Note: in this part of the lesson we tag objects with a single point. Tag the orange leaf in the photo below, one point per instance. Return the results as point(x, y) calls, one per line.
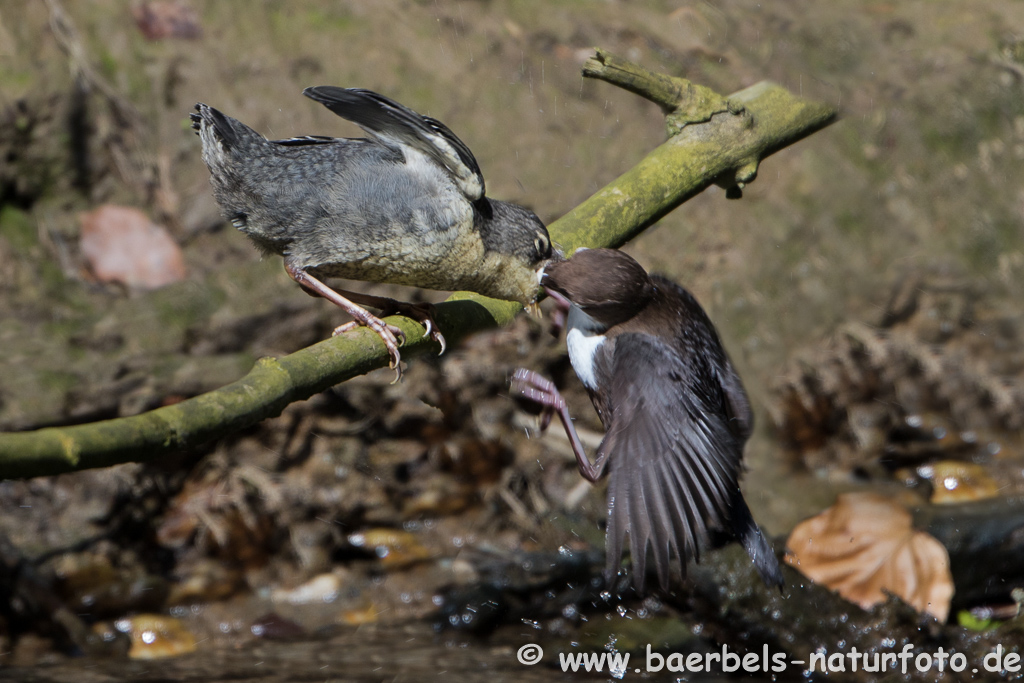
point(864, 546)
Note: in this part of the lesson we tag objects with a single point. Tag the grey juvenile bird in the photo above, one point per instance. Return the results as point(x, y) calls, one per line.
point(406, 206)
point(675, 413)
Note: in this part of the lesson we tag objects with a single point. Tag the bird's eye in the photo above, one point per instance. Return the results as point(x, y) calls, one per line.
point(542, 244)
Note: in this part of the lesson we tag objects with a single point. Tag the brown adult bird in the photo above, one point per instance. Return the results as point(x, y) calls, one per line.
point(675, 413)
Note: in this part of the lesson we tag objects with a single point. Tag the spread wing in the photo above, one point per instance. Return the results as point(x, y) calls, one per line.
point(673, 459)
point(395, 125)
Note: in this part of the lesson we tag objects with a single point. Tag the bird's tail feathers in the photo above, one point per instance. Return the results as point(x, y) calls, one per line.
point(229, 134)
point(749, 534)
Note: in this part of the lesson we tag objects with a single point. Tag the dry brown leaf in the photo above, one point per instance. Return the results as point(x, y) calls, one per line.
point(159, 19)
point(864, 547)
point(121, 244)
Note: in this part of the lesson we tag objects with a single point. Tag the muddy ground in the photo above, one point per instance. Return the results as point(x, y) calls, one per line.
point(897, 230)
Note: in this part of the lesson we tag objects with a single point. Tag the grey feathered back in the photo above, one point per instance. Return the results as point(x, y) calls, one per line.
point(405, 206)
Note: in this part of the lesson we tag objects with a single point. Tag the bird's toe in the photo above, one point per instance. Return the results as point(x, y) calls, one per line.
point(389, 334)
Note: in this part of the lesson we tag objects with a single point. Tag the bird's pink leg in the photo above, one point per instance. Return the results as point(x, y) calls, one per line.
point(531, 386)
point(389, 334)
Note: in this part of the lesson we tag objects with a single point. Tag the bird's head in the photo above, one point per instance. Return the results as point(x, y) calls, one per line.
point(517, 238)
point(606, 284)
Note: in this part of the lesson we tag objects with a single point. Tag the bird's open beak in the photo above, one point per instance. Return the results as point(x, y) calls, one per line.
point(534, 307)
point(542, 273)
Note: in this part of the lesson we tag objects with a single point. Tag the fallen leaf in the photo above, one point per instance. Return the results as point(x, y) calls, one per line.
point(121, 244)
point(159, 19)
point(864, 547)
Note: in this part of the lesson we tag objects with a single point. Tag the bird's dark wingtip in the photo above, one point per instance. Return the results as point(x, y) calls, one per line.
point(325, 94)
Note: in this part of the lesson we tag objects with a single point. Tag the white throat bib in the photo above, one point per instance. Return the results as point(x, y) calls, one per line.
point(584, 338)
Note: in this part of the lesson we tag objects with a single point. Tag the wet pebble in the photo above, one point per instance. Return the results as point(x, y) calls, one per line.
point(155, 636)
point(392, 547)
point(273, 626)
point(319, 589)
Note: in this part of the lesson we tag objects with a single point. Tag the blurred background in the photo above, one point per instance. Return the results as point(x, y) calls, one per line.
point(868, 287)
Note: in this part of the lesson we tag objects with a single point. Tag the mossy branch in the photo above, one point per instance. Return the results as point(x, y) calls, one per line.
point(725, 147)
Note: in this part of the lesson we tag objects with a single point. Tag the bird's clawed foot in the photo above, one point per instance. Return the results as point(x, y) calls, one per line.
point(422, 313)
point(391, 335)
point(540, 396)
point(536, 394)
